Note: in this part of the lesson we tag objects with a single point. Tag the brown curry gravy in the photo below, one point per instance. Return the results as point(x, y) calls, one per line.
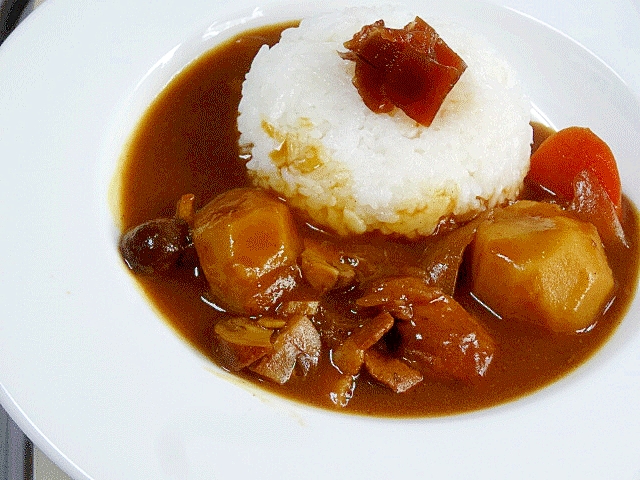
point(187, 143)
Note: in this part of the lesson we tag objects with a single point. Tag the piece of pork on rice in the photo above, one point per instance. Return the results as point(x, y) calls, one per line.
point(314, 142)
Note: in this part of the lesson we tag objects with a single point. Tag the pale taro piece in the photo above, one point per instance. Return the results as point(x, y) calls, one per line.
point(314, 142)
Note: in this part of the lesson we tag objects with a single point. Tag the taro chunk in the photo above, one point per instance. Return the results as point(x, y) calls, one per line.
point(532, 262)
point(247, 245)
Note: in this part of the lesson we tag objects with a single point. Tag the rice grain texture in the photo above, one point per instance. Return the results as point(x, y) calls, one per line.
point(314, 142)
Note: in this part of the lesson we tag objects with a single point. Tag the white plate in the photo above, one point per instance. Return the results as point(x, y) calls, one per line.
point(107, 389)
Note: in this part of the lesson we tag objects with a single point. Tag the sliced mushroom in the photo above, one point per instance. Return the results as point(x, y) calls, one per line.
point(297, 343)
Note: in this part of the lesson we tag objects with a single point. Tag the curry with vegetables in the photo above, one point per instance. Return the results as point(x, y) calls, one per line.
point(476, 315)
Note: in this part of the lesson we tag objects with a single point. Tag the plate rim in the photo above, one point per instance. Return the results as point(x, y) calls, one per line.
point(11, 404)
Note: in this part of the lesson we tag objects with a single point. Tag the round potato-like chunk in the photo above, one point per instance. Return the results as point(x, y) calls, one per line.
point(247, 244)
point(533, 262)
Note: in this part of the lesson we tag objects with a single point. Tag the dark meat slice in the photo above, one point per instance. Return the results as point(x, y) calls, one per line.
point(442, 259)
point(392, 372)
point(335, 323)
point(349, 356)
point(443, 339)
point(397, 295)
point(437, 335)
point(410, 68)
point(298, 343)
point(323, 269)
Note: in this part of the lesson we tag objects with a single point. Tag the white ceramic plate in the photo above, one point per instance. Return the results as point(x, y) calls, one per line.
point(108, 390)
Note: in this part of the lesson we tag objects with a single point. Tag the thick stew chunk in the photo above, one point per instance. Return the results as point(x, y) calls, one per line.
point(533, 262)
point(248, 245)
point(444, 340)
point(349, 356)
point(438, 337)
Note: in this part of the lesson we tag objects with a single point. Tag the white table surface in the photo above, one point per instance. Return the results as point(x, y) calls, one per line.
point(608, 28)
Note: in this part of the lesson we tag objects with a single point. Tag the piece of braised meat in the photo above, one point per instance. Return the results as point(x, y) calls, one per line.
point(438, 336)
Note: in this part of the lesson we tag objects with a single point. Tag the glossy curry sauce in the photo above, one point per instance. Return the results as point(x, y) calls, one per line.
point(187, 143)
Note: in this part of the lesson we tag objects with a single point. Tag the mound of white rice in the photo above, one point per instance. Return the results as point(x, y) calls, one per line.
point(315, 142)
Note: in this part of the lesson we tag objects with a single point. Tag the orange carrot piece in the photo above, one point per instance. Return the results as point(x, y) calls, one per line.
point(563, 155)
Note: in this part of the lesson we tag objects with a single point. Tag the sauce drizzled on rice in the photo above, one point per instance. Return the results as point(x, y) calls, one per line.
point(315, 142)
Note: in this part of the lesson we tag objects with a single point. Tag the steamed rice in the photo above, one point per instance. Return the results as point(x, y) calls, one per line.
point(314, 141)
